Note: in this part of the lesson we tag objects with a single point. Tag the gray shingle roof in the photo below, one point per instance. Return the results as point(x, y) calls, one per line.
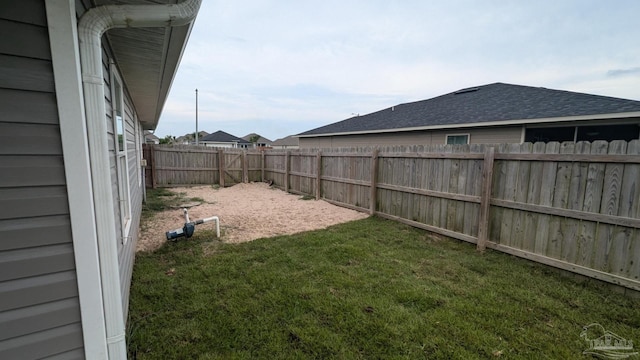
point(286, 141)
point(486, 103)
point(261, 139)
point(221, 136)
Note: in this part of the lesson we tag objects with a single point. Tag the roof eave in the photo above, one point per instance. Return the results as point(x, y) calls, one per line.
point(148, 93)
point(483, 124)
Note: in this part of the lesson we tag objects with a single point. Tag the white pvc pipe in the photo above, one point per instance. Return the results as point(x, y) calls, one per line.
point(213, 218)
point(91, 27)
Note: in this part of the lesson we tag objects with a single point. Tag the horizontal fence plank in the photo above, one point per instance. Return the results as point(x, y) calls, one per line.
point(183, 151)
point(171, 168)
point(401, 155)
point(437, 230)
point(346, 181)
point(346, 154)
point(433, 193)
point(591, 158)
point(297, 173)
point(348, 206)
point(575, 214)
point(578, 269)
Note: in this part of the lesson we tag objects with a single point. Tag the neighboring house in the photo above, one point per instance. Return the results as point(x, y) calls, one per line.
point(260, 142)
point(77, 90)
point(289, 142)
point(150, 138)
point(224, 140)
point(494, 113)
point(190, 139)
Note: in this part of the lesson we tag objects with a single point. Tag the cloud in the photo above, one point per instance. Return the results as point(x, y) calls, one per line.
point(274, 69)
point(624, 72)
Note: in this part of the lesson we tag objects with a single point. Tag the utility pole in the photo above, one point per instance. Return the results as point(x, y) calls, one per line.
point(196, 117)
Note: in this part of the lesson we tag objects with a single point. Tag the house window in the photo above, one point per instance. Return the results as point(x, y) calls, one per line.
point(458, 139)
point(583, 133)
point(608, 132)
point(120, 142)
point(564, 133)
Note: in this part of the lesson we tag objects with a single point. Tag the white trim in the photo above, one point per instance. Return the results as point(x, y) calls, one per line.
point(122, 171)
point(484, 124)
point(61, 20)
point(523, 134)
point(446, 138)
point(138, 145)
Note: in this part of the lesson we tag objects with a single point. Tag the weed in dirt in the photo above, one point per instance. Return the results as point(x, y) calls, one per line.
point(366, 289)
point(307, 197)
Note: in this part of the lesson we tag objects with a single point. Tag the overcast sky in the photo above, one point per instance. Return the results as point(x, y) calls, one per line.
point(278, 68)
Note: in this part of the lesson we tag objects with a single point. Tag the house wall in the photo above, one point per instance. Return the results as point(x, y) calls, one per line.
point(39, 306)
point(218, 144)
point(126, 245)
point(495, 135)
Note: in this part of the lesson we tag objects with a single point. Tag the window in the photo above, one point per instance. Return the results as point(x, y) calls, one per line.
point(458, 139)
point(565, 133)
point(583, 133)
point(608, 132)
point(120, 145)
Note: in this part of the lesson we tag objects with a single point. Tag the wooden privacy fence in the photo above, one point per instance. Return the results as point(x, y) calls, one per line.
point(184, 165)
point(575, 206)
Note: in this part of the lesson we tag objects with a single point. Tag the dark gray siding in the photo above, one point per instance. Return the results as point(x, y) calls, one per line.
point(39, 308)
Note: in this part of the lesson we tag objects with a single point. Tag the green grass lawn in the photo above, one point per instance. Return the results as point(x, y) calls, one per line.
point(366, 289)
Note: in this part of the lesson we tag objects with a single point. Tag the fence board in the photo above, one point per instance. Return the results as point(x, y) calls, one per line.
point(609, 206)
point(497, 191)
point(533, 197)
point(627, 247)
point(487, 179)
point(549, 170)
point(560, 199)
point(577, 187)
point(592, 199)
point(438, 166)
point(510, 181)
point(518, 235)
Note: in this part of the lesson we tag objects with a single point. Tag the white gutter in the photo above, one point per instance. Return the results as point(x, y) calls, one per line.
point(92, 26)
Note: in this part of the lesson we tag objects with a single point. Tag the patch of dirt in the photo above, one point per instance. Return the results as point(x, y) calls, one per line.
point(246, 212)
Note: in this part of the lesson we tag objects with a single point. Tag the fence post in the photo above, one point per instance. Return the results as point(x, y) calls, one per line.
point(221, 166)
point(286, 170)
point(485, 198)
point(245, 167)
point(318, 174)
point(262, 165)
point(374, 181)
point(153, 166)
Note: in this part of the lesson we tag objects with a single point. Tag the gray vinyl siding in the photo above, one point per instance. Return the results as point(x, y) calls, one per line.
point(126, 247)
point(39, 307)
point(492, 135)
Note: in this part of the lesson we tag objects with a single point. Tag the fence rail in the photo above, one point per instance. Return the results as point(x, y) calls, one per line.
point(575, 206)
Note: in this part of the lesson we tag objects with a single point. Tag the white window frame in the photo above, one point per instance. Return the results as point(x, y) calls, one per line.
point(446, 139)
point(122, 159)
point(138, 138)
